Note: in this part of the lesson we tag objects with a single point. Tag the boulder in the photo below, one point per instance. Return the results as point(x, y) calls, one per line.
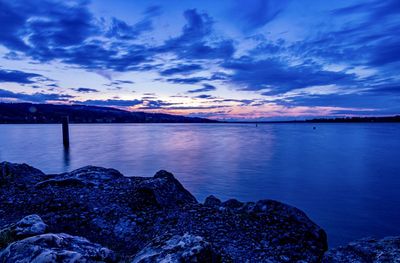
point(93, 174)
point(168, 191)
point(232, 203)
point(28, 226)
point(19, 174)
point(186, 248)
point(47, 248)
point(212, 201)
point(67, 182)
point(367, 250)
point(292, 215)
point(125, 214)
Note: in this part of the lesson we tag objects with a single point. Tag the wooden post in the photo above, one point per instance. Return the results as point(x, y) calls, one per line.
point(65, 131)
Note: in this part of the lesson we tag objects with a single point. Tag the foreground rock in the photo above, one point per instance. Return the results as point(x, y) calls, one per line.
point(27, 241)
point(28, 226)
point(152, 219)
point(18, 175)
point(55, 248)
point(186, 248)
point(366, 251)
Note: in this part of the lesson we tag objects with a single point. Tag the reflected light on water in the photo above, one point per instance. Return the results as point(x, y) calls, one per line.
point(344, 176)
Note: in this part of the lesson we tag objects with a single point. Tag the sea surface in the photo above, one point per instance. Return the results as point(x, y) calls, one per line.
point(346, 177)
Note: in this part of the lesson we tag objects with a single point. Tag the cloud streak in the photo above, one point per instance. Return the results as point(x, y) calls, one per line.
point(85, 90)
point(17, 76)
point(205, 88)
point(35, 97)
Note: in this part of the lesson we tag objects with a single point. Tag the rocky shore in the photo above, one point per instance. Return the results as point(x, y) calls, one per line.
point(95, 214)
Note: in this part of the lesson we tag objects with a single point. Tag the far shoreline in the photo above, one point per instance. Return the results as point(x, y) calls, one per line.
point(28, 113)
point(316, 121)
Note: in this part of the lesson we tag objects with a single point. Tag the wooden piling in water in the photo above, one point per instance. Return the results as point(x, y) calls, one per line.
point(65, 131)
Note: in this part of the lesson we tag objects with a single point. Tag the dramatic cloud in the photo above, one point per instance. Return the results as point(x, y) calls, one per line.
point(47, 27)
point(69, 32)
point(371, 37)
point(279, 77)
point(193, 43)
point(268, 55)
point(57, 31)
point(121, 30)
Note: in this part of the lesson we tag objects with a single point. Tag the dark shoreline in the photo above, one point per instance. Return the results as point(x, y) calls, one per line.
point(392, 119)
point(318, 121)
point(28, 113)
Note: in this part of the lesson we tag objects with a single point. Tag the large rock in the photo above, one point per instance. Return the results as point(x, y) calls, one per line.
point(167, 190)
point(19, 174)
point(232, 203)
point(94, 174)
point(366, 250)
point(127, 213)
point(186, 248)
point(28, 226)
point(212, 201)
point(88, 176)
point(49, 248)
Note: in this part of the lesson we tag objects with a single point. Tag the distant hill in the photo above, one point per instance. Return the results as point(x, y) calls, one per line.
point(358, 119)
point(335, 120)
point(49, 113)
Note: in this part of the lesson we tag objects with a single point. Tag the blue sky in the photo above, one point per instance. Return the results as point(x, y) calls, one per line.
point(219, 59)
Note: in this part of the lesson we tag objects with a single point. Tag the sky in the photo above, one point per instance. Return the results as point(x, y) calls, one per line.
point(227, 59)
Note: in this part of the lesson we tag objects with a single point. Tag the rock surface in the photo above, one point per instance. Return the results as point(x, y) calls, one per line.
point(212, 201)
point(130, 215)
point(18, 175)
point(47, 248)
point(366, 250)
point(28, 226)
point(186, 248)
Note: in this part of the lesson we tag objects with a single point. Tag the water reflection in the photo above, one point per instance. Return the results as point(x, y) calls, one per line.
point(344, 176)
point(67, 158)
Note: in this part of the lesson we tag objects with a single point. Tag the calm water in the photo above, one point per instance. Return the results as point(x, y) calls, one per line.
point(346, 177)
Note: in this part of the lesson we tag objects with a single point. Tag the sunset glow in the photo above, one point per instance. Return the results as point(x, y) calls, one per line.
point(222, 60)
